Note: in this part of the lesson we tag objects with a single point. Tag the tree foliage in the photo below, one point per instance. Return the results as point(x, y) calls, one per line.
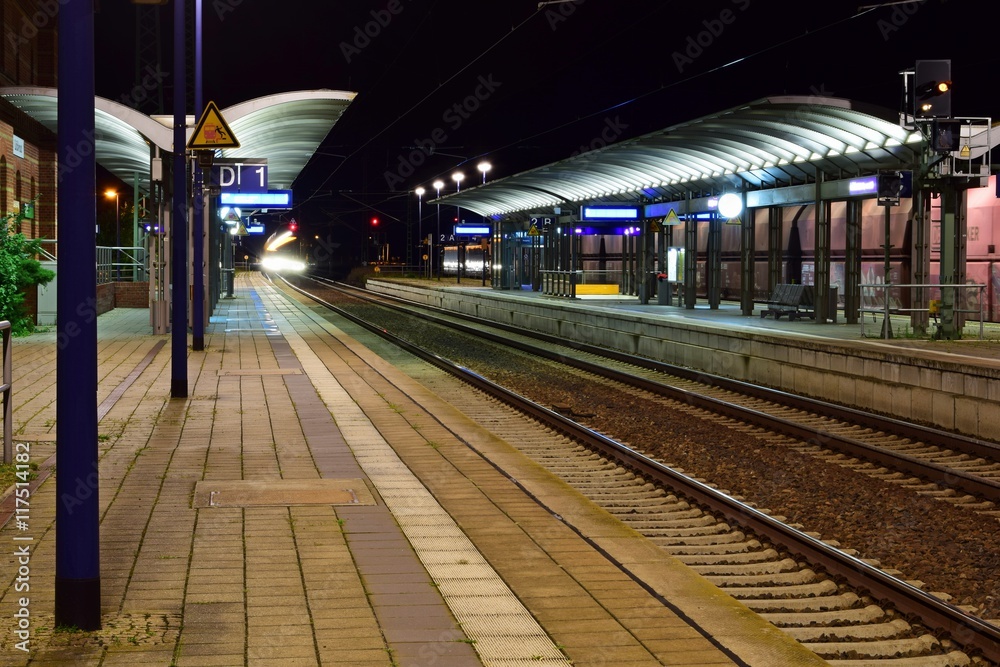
point(19, 270)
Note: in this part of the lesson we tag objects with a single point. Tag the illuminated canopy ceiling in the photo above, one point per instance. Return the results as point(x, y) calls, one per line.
point(769, 143)
point(285, 129)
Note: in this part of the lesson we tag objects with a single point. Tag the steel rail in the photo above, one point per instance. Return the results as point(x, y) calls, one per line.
point(941, 616)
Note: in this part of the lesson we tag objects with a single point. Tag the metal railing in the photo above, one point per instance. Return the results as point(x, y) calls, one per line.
point(121, 264)
point(8, 413)
point(876, 303)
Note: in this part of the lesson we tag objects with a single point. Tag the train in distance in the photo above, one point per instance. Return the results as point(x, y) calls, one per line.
point(278, 257)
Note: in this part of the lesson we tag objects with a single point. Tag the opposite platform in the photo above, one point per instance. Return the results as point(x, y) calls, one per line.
point(306, 506)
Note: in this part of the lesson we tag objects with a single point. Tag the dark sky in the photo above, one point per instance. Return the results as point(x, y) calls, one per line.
point(533, 85)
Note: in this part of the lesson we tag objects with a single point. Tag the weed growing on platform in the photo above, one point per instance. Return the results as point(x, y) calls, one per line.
point(8, 474)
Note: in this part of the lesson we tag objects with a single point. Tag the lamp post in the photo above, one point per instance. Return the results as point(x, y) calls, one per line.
point(457, 177)
point(437, 186)
point(118, 235)
point(484, 167)
point(420, 222)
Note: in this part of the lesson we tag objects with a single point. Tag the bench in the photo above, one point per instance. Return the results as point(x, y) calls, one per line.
point(793, 300)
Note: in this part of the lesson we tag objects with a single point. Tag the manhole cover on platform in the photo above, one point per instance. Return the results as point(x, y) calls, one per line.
point(260, 371)
point(281, 493)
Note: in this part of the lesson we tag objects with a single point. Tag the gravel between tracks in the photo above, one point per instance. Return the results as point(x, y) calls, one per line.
point(952, 550)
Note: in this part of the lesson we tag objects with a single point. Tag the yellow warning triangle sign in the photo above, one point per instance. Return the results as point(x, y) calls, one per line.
point(735, 220)
point(212, 131)
point(671, 218)
point(654, 227)
point(533, 231)
point(241, 230)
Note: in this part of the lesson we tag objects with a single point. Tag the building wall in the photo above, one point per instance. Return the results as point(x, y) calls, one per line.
point(28, 48)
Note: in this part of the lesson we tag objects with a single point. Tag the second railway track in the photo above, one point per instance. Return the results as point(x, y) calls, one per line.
point(798, 587)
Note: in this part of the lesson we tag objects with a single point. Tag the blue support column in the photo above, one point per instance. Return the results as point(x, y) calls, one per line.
point(78, 567)
point(197, 221)
point(179, 229)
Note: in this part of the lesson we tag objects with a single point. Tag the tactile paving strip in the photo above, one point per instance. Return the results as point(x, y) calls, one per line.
point(470, 587)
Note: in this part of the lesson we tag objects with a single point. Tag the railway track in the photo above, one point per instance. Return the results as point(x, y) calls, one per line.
point(845, 609)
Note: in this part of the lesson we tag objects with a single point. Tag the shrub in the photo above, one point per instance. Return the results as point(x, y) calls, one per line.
point(19, 270)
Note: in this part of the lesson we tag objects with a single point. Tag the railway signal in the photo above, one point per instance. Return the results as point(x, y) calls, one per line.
point(932, 89)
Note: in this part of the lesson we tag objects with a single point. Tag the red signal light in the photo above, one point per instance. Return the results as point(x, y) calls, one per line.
point(293, 226)
point(374, 221)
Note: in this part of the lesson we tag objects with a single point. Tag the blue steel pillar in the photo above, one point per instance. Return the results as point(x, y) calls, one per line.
point(197, 220)
point(179, 231)
point(78, 566)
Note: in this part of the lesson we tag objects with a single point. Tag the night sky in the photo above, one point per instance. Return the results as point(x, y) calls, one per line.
point(522, 86)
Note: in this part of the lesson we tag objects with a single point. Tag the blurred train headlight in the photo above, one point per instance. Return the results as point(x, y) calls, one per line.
point(283, 264)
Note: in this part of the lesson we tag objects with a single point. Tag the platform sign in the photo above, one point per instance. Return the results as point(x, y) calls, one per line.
point(240, 175)
point(269, 199)
point(472, 230)
point(212, 131)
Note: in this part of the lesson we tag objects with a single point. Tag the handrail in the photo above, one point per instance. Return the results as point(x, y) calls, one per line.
point(8, 415)
point(885, 309)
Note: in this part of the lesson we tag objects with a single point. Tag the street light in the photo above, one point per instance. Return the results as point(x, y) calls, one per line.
point(457, 177)
point(420, 221)
point(437, 186)
point(484, 167)
point(118, 235)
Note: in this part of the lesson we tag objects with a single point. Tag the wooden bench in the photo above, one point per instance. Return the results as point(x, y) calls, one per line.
point(793, 300)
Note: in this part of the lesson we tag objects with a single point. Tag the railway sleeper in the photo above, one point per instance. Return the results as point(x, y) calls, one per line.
point(694, 518)
point(870, 613)
point(726, 537)
point(909, 647)
point(729, 582)
point(743, 569)
point(814, 589)
point(741, 558)
point(803, 604)
point(711, 549)
point(893, 629)
point(689, 531)
point(671, 508)
point(950, 659)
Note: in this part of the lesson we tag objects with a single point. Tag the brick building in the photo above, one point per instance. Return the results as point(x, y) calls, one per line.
point(28, 153)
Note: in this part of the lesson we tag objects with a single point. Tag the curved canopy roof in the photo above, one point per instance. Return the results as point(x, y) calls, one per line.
point(284, 128)
point(768, 143)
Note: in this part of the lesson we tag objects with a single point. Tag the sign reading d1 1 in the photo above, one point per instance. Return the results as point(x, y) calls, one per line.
point(246, 176)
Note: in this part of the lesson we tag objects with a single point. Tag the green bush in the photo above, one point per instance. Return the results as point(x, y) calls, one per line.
point(19, 270)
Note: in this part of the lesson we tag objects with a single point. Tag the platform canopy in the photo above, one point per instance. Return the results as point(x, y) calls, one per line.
point(769, 143)
point(284, 128)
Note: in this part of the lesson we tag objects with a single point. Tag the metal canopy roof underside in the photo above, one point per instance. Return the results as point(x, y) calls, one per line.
point(284, 128)
point(769, 143)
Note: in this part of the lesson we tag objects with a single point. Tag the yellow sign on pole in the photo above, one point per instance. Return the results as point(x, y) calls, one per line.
point(533, 231)
point(654, 227)
point(671, 218)
point(735, 220)
point(212, 131)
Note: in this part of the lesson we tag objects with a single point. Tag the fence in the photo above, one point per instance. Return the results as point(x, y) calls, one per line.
point(876, 299)
point(121, 264)
point(8, 416)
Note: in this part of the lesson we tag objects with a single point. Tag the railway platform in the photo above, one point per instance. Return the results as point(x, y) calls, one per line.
point(950, 384)
point(309, 503)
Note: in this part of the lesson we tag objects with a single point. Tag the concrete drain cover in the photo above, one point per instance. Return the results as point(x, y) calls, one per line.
point(281, 493)
point(260, 371)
